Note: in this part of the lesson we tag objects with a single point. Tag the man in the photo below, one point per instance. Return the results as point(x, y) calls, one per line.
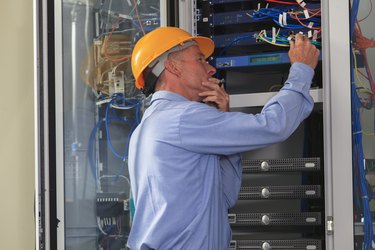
point(184, 161)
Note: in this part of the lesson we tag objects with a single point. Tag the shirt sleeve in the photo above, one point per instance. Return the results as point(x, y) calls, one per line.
point(231, 172)
point(205, 129)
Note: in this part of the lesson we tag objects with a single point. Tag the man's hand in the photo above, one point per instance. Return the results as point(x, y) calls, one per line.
point(303, 51)
point(216, 96)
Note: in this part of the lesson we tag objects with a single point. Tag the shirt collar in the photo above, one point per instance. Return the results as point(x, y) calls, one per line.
point(167, 95)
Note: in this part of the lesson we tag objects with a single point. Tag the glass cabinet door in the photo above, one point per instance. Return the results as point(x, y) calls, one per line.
point(363, 121)
point(97, 108)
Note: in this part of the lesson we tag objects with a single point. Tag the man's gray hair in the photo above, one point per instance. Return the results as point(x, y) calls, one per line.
point(156, 67)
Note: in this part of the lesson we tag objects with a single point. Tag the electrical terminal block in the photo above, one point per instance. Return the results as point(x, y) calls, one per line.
point(117, 82)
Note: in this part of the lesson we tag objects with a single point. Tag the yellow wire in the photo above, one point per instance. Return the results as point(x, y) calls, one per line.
point(365, 89)
point(264, 39)
point(103, 74)
point(364, 132)
point(361, 83)
point(368, 134)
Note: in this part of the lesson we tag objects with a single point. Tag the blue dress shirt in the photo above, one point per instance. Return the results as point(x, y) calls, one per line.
point(185, 167)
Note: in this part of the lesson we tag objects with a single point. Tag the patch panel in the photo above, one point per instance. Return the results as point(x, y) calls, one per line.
point(250, 38)
point(252, 60)
point(253, 15)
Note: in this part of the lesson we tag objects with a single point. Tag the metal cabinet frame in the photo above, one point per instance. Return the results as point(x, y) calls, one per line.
point(337, 121)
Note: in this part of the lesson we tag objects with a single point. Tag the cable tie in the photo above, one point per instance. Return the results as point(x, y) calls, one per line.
point(358, 132)
point(307, 16)
point(365, 197)
point(301, 3)
point(284, 19)
point(315, 35)
point(281, 20)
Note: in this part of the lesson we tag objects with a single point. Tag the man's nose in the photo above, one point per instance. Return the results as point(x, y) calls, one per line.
point(211, 69)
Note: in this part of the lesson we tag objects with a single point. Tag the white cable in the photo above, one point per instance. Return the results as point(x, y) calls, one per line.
point(100, 226)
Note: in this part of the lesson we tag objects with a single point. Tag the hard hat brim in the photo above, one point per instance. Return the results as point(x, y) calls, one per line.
point(205, 44)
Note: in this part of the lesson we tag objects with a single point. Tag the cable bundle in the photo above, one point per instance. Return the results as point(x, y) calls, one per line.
point(362, 190)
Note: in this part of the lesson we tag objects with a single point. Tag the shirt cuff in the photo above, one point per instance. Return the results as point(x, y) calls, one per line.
point(300, 77)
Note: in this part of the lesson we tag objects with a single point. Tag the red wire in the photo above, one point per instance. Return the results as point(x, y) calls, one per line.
point(113, 29)
point(368, 12)
point(368, 71)
point(309, 10)
point(312, 11)
point(314, 14)
point(304, 25)
point(138, 17)
point(106, 42)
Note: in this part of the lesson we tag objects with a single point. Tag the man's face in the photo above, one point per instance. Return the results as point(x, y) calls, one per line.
point(195, 70)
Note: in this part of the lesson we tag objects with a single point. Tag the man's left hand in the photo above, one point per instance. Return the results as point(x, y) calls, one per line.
point(216, 95)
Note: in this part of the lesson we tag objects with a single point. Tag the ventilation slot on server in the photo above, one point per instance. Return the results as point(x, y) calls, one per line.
point(281, 165)
point(276, 244)
point(275, 219)
point(280, 192)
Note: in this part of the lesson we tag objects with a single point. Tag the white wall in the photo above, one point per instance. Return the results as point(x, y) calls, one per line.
point(17, 126)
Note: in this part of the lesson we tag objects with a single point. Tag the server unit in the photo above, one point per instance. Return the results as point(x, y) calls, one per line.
point(281, 201)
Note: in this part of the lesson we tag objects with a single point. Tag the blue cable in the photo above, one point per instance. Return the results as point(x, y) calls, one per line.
point(265, 13)
point(114, 152)
point(133, 104)
point(232, 42)
point(357, 138)
point(91, 146)
point(358, 147)
point(228, 46)
point(92, 140)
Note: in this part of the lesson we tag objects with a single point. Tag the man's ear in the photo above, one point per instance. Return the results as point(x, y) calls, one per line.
point(173, 66)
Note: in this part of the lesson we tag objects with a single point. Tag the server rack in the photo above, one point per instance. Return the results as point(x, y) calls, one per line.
point(281, 201)
point(89, 107)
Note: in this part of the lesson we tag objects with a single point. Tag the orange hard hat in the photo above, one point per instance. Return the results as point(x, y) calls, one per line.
point(157, 42)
